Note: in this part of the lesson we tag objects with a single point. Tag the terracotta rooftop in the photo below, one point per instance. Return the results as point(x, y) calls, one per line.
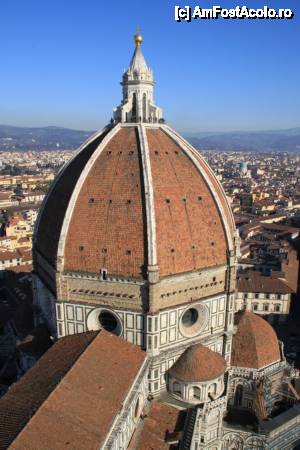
point(162, 420)
point(83, 405)
point(184, 207)
point(255, 344)
point(26, 396)
point(260, 226)
point(198, 363)
point(108, 224)
point(54, 208)
point(107, 228)
point(255, 282)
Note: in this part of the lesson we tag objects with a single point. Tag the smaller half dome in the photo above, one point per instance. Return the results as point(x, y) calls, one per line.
point(255, 344)
point(198, 363)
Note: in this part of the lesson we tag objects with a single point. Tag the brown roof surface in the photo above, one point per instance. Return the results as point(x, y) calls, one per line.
point(110, 231)
point(81, 409)
point(255, 282)
point(198, 363)
point(255, 345)
point(108, 223)
point(54, 209)
point(218, 187)
point(260, 226)
point(6, 255)
point(185, 208)
point(22, 268)
point(162, 419)
point(25, 397)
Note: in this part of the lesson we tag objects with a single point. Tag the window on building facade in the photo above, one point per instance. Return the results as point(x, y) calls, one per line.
point(109, 322)
point(238, 396)
point(104, 274)
point(134, 108)
point(277, 308)
point(196, 392)
point(144, 107)
point(266, 307)
point(255, 307)
point(190, 317)
point(137, 408)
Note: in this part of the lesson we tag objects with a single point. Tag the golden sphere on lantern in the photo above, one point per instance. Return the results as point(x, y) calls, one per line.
point(138, 39)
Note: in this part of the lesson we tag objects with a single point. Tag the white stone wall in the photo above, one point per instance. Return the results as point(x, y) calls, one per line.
point(208, 428)
point(162, 329)
point(73, 318)
point(129, 417)
point(185, 390)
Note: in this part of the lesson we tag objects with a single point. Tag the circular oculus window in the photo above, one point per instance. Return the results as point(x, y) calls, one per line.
point(104, 318)
point(193, 320)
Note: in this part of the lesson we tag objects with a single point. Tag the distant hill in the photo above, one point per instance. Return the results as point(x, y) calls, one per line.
point(54, 138)
point(261, 141)
point(46, 138)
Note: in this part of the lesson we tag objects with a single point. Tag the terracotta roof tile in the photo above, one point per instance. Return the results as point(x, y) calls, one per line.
point(26, 396)
point(108, 223)
point(162, 419)
point(81, 409)
point(54, 209)
point(107, 229)
point(189, 228)
point(255, 282)
point(198, 363)
point(255, 344)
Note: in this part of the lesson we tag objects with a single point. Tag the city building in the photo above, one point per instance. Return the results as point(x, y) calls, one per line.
point(264, 295)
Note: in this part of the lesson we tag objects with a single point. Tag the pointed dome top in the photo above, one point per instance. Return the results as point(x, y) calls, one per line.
point(198, 363)
point(138, 62)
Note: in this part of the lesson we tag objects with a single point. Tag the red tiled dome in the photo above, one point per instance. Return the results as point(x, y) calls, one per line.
point(198, 363)
point(255, 345)
point(135, 196)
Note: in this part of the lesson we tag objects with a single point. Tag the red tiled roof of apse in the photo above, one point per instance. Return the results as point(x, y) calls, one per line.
point(198, 363)
point(255, 344)
point(185, 208)
point(81, 409)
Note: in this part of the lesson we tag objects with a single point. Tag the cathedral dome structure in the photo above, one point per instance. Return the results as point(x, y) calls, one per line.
point(255, 344)
point(198, 375)
point(136, 235)
point(135, 196)
point(198, 363)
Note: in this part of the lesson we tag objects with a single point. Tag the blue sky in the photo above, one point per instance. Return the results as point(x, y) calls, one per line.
point(62, 62)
